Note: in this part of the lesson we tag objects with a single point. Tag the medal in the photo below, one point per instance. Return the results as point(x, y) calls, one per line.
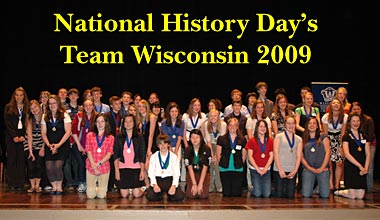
point(53, 129)
point(128, 150)
point(162, 172)
point(291, 150)
point(262, 155)
point(312, 149)
point(233, 151)
point(359, 149)
point(195, 166)
point(99, 150)
point(174, 136)
point(86, 130)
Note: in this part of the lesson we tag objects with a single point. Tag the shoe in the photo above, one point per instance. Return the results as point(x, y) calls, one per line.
point(47, 188)
point(52, 192)
point(31, 190)
point(219, 190)
point(11, 188)
point(82, 188)
point(336, 192)
point(211, 189)
point(143, 189)
point(59, 193)
point(70, 189)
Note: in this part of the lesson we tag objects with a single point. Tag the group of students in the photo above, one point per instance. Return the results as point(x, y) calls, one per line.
point(143, 150)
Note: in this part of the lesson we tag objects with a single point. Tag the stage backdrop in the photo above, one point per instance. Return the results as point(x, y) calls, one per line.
point(324, 92)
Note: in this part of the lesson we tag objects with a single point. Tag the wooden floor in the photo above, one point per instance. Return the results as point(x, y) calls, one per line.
point(41, 206)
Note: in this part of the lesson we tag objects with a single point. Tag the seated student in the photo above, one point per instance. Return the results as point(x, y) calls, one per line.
point(197, 161)
point(164, 173)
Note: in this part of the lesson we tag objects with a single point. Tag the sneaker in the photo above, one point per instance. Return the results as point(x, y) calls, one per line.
point(219, 190)
point(47, 188)
point(82, 188)
point(336, 192)
point(143, 189)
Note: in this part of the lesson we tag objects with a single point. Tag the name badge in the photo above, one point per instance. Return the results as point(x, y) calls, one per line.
point(238, 147)
point(364, 141)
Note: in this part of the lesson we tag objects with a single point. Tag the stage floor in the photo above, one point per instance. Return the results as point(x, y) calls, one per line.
point(76, 201)
point(22, 205)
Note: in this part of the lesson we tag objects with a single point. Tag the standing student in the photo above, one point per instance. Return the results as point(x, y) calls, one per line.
point(113, 117)
point(70, 167)
point(214, 128)
point(82, 124)
point(56, 131)
point(14, 119)
point(334, 125)
point(34, 146)
point(164, 173)
point(99, 149)
point(197, 160)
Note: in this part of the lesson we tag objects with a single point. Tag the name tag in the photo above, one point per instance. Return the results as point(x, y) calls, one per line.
point(238, 147)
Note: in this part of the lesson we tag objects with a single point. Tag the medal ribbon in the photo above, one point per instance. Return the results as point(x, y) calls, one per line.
point(87, 125)
point(101, 142)
point(357, 141)
point(306, 114)
point(335, 124)
point(232, 143)
point(163, 164)
point(263, 147)
point(129, 141)
point(196, 158)
point(196, 122)
point(115, 118)
point(291, 143)
point(54, 121)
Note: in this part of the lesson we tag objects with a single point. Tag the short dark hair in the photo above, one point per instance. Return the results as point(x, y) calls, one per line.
point(252, 94)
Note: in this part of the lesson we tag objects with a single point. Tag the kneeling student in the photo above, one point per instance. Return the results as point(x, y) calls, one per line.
point(197, 161)
point(164, 173)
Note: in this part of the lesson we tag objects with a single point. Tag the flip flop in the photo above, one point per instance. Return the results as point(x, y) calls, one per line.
point(31, 190)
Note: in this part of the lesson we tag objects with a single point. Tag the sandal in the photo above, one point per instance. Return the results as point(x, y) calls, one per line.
point(38, 190)
point(31, 190)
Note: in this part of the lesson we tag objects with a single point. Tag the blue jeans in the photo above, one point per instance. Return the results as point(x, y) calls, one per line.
point(80, 171)
point(323, 180)
point(261, 184)
point(370, 170)
point(69, 168)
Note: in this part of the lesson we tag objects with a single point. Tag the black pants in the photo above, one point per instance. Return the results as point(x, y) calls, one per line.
point(165, 184)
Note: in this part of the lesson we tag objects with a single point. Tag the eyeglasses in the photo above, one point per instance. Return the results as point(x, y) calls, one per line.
point(52, 103)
